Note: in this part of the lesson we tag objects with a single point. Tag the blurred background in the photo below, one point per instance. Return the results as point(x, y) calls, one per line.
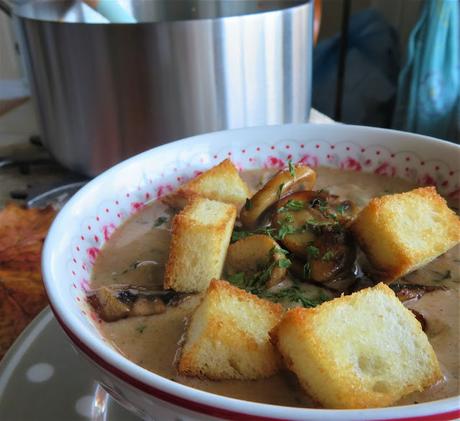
point(386, 63)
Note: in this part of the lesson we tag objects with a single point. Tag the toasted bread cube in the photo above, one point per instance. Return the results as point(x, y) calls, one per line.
point(222, 183)
point(200, 237)
point(402, 232)
point(228, 336)
point(363, 350)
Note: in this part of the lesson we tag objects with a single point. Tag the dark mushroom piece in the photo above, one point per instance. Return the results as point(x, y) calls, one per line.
point(329, 263)
point(296, 178)
point(120, 301)
point(331, 256)
point(300, 217)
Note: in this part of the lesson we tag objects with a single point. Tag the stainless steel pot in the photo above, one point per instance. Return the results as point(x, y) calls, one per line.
point(106, 91)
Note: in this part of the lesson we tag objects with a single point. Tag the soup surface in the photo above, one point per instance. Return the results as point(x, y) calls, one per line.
point(152, 341)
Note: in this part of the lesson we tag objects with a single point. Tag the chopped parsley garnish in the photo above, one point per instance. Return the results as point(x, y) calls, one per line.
point(291, 168)
point(285, 229)
point(256, 285)
point(292, 205)
point(312, 251)
point(280, 190)
point(278, 249)
point(239, 234)
point(248, 204)
point(160, 221)
point(140, 328)
point(342, 208)
point(316, 225)
point(321, 204)
point(328, 256)
point(284, 263)
point(238, 279)
point(306, 270)
point(294, 294)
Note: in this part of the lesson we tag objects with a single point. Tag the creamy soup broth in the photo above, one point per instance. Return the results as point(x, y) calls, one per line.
point(152, 341)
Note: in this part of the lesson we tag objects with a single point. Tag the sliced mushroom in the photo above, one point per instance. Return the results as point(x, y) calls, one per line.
point(253, 254)
point(300, 177)
point(302, 216)
point(146, 307)
point(301, 270)
point(117, 302)
point(291, 215)
point(108, 306)
point(333, 258)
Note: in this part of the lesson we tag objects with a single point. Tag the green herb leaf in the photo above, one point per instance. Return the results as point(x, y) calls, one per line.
point(238, 279)
point(285, 229)
point(320, 204)
point(291, 168)
point(296, 295)
point(248, 204)
point(278, 249)
point(238, 235)
point(342, 208)
point(280, 190)
point(160, 221)
point(313, 252)
point(140, 328)
point(284, 263)
point(306, 270)
point(292, 205)
point(328, 256)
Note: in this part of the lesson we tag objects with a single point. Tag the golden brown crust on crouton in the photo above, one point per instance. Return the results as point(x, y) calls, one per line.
point(359, 351)
point(402, 232)
point(222, 182)
point(200, 238)
point(227, 336)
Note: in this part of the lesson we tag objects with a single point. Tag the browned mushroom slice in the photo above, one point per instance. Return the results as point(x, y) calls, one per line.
point(302, 216)
point(299, 177)
point(108, 306)
point(118, 301)
point(290, 219)
point(301, 270)
point(251, 254)
point(146, 307)
point(330, 256)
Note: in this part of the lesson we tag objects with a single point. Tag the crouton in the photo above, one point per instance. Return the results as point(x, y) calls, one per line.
point(228, 336)
point(402, 232)
point(222, 183)
point(200, 238)
point(363, 350)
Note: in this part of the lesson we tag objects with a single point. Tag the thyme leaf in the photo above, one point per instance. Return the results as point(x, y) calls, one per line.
point(280, 190)
point(292, 205)
point(291, 168)
point(160, 221)
point(248, 204)
point(294, 294)
point(328, 256)
point(140, 328)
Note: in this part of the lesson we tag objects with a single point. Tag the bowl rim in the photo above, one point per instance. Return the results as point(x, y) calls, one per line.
point(186, 396)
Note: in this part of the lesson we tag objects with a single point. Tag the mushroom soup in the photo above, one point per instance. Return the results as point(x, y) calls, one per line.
point(146, 323)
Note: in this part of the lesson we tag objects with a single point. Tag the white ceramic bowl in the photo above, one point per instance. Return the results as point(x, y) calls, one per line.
point(90, 217)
